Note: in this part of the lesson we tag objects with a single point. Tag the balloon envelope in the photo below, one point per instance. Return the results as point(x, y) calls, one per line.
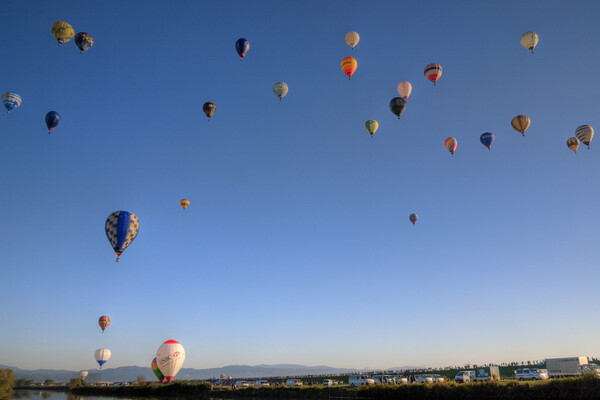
point(397, 106)
point(121, 228)
point(529, 40)
point(104, 321)
point(520, 123)
point(349, 66)
point(242, 46)
point(371, 126)
point(404, 89)
point(83, 41)
point(11, 100)
point(156, 370)
point(585, 134)
point(413, 218)
point(352, 39)
point(209, 109)
point(280, 89)
point(487, 139)
point(52, 119)
point(62, 32)
point(451, 144)
point(169, 358)
point(433, 72)
point(83, 374)
point(184, 203)
point(573, 144)
point(102, 356)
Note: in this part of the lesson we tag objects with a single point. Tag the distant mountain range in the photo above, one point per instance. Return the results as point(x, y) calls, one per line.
point(125, 374)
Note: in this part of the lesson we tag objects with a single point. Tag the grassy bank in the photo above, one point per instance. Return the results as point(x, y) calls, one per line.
point(584, 388)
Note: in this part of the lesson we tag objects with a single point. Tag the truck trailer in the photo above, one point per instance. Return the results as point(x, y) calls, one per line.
point(570, 366)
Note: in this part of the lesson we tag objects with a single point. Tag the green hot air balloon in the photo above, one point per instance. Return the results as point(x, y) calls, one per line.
point(371, 126)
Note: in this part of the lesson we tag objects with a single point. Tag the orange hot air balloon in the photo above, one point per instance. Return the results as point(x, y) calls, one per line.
point(185, 203)
point(349, 65)
point(104, 321)
point(451, 145)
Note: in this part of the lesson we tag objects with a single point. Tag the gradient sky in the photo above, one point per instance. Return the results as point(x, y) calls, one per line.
point(296, 247)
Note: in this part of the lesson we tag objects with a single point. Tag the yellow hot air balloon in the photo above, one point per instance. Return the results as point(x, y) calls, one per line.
point(184, 203)
point(520, 123)
point(529, 40)
point(352, 39)
point(371, 126)
point(62, 32)
point(573, 144)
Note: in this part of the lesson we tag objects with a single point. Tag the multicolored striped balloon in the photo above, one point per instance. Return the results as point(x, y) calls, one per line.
point(573, 144)
point(104, 321)
point(121, 228)
point(520, 123)
point(349, 66)
point(83, 41)
point(280, 89)
point(11, 100)
point(156, 370)
point(529, 40)
point(585, 134)
point(451, 144)
point(62, 32)
point(433, 72)
point(371, 126)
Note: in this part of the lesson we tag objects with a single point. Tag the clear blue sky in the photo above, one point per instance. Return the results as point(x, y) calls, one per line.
point(296, 247)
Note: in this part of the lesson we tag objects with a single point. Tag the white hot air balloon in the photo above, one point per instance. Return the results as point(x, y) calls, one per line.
point(169, 358)
point(351, 39)
point(83, 374)
point(102, 356)
point(404, 89)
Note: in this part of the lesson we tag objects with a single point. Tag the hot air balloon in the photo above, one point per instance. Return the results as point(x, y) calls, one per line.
point(529, 40)
point(102, 356)
point(451, 144)
point(62, 32)
point(352, 39)
point(573, 144)
point(520, 123)
point(413, 218)
point(349, 65)
point(397, 106)
point(242, 46)
point(404, 89)
point(170, 357)
point(209, 109)
point(156, 370)
point(121, 228)
point(184, 203)
point(585, 134)
point(11, 100)
point(52, 119)
point(433, 72)
point(83, 41)
point(371, 126)
point(280, 89)
point(83, 374)
point(487, 139)
point(104, 321)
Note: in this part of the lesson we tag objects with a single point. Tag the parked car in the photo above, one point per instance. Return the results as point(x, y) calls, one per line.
point(241, 384)
point(261, 382)
point(531, 374)
point(327, 382)
point(421, 378)
point(359, 380)
point(293, 382)
point(382, 379)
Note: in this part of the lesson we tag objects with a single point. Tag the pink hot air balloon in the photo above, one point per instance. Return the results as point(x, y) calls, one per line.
point(404, 89)
point(169, 358)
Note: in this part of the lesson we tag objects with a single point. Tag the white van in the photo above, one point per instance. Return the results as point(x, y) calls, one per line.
point(327, 382)
point(261, 382)
point(359, 380)
point(465, 377)
point(293, 382)
point(531, 374)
